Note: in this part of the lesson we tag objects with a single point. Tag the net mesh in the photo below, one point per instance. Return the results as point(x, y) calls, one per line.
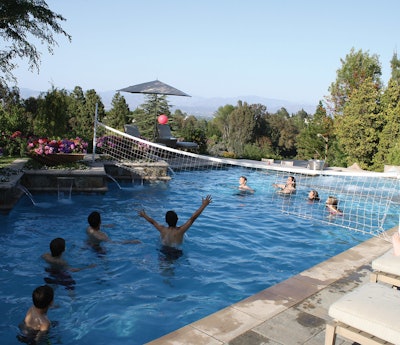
point(367, 199)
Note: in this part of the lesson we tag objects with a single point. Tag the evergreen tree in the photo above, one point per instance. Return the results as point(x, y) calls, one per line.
point(359, 127)
point(118, 115)
point(52, 118)
point(76, 109)
point(395, 67)
point(313, 139)
point(389, 138)
point(145, 117)
point(85, 123)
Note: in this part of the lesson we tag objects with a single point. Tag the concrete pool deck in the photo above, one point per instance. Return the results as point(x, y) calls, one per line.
point(294, 311)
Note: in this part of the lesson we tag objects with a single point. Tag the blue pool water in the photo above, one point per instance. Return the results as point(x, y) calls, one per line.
point(240, 245)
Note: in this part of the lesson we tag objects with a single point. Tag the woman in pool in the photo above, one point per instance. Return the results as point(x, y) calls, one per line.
point(332, 206)
point(288, 188)
point(313, 195)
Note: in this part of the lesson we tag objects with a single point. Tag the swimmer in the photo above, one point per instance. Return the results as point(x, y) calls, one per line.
point(313, 195)
point(243, 185)
point(96, 236)
point(331, 205)
point(172, 235)
point(36, 323)
point(55, 259)
point(288, 188)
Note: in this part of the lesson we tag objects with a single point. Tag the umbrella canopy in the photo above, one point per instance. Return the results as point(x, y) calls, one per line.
point(154, 87)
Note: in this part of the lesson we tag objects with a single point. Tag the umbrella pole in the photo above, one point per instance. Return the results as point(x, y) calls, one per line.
point(155, 124)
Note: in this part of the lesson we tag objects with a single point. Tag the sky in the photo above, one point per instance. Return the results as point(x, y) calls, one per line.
point(277, 49)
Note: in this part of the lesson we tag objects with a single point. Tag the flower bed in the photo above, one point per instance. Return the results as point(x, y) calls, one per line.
point(54, 152)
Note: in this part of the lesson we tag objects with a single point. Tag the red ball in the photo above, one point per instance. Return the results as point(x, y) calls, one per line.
point(163, 119)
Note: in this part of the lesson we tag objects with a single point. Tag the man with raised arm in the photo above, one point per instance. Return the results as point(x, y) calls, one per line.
point(172, 235)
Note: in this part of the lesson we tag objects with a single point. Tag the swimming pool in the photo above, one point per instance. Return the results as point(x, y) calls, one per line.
point(240, 245)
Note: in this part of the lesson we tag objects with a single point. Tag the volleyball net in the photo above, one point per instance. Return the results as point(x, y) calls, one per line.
point(369, 201)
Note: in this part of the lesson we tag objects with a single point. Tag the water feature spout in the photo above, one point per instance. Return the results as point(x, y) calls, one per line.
point(113, 179)
point(64, 187)
point(27, 193)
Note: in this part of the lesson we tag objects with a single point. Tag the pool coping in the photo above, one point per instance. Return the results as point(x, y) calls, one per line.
point(234, 321)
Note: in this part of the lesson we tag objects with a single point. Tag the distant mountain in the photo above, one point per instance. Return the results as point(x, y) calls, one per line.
point(197, 106)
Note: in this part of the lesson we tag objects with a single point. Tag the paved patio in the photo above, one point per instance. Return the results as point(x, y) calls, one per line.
point(294, 311)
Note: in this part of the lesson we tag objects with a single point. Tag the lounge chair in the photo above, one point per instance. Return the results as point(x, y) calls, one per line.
point(386, 269)
point(368, 315)
point(165, 137)
point(132, 130)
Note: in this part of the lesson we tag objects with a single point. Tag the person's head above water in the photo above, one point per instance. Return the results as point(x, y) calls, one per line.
point(171, 218)
point(43, 296)
point(94, 219)
point(57, 246)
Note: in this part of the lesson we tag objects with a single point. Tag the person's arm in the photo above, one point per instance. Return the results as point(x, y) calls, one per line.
point(144, 215)
point(204, 203)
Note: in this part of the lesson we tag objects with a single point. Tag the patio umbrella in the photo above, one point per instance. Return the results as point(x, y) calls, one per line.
point(155, 87)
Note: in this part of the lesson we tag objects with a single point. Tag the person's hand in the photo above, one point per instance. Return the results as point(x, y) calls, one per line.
point(141, 213)
point(207, 200)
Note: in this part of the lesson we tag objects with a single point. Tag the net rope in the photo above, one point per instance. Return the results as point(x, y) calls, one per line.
point(367, 199)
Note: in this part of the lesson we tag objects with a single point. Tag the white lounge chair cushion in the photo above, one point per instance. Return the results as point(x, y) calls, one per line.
point(388, 263)
point(373, 308)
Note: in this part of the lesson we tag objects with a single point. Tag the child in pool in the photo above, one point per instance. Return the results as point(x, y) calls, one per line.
point(96, 236)
point(36, 323)
point(55, 259)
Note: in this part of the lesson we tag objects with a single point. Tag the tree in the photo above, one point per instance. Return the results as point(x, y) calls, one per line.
point(356, 69)
point(395, 66)
point(359, 127)
point(221, 121)
point(76, 108)
point(118, 115)
point(243, 122)
point(389, 138)
point(18, 21)
point(52, 117)
point(315, 137)
point(145, 116)
point(85, 123)
point(282, 131)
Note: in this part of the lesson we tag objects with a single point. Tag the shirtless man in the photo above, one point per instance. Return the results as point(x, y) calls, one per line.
point(172, 235)
point(243, 185)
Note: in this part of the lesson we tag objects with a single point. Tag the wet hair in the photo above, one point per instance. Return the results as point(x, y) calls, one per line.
point(42, 296)
point(57, 246)
point(244, 178)
point(171, 218)
point(332, 201)
point(293, 180)
point(315, 195)
point(94, 219)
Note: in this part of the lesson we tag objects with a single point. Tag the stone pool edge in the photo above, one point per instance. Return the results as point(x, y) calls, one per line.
point(235, 320)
